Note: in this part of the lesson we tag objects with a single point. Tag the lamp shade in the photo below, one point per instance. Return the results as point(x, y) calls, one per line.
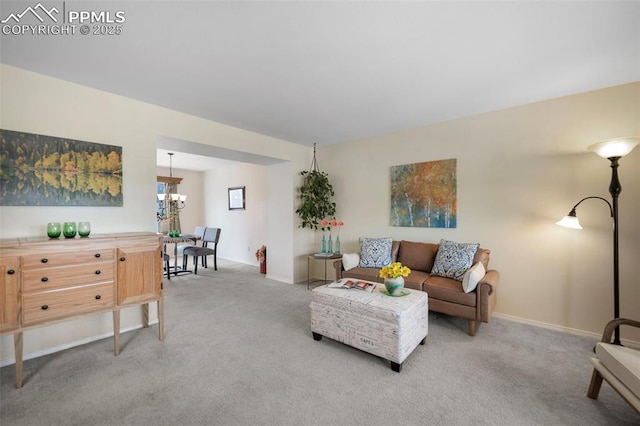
point(569, 222)
point(618, 147)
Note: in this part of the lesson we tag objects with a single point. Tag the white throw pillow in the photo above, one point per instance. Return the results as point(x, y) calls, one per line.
point(350, 260)
point(472, 277)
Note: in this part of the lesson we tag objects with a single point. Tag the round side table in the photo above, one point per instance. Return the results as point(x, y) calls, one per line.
point(323, 257)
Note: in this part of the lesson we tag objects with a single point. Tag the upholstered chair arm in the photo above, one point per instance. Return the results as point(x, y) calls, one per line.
point(486, 294)
point(339, 268)
point(489, 282)
point(615, 323)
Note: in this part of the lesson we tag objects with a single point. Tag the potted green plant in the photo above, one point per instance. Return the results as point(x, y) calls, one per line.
point(315, 194)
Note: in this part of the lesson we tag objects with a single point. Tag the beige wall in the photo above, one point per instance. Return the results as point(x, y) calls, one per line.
point(519, 171)
point(242, 231)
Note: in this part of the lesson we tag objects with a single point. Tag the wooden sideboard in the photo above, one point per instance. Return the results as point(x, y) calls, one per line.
point(43, 281)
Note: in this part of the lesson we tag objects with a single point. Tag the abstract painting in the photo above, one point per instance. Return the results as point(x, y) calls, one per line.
point(424, 194)
point(38, 170)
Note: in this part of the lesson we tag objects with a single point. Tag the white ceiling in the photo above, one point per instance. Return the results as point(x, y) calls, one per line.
point(328, 72)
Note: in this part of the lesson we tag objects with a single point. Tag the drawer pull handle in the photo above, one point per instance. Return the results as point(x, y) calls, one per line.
point(98, 297)
point(97, 255)
point(122, 259)
point(44, 260)
point(98, 272)
point(45, 307)
point(11, 272)
point(44, 279)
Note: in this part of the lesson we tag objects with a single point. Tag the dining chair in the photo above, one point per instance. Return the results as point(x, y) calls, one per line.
point(167, 267)
point(209, 248)
point(198, 232)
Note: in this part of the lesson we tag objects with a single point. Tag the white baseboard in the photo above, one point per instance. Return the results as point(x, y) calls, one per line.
point(575, 331)
point(69, 345)
point(282, 280)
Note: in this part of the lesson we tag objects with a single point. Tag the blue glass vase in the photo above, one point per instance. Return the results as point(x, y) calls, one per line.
point(329, 245)
point(337, 246)
point(324, 244)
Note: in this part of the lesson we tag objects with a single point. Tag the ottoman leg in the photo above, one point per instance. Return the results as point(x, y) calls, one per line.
point(396, 367)
point(316, 336)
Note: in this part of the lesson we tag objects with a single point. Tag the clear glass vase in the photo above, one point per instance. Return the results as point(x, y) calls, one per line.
point(324, 245)
point(337, 246)
point(329, 245)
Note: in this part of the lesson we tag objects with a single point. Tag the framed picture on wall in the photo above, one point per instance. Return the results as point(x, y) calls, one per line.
point(236, 198)
point(40, 170)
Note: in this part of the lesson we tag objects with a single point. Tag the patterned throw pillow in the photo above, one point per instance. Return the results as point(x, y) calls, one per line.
point(453, 259)
point(375, 252)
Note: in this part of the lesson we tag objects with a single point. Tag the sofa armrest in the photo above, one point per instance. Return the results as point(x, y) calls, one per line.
point(489, 283)
point(337, 265)
point(486, 294)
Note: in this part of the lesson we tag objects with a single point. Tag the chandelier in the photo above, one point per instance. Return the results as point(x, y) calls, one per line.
point(178, 201)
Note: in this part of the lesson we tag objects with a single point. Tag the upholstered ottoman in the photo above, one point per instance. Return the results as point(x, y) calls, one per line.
point(389, 327)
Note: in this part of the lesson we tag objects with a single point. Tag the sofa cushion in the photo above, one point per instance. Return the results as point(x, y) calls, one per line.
point(367, 274)
point(449, 290)
point(453, 259)
point(623, 362)
point(472, 277)
point(375, 252)
point(417, 256)
point(415, 279)
point(350, 260)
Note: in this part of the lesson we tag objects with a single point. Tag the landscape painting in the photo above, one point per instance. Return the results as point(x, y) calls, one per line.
point(424, 194)
point(38, 170)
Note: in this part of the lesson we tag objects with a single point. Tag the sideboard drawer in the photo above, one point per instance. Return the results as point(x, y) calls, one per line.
point(50, 278)
point(33, 261)
point(48, 305)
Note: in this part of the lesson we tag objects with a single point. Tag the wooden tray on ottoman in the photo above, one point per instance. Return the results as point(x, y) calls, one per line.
point(389, 327)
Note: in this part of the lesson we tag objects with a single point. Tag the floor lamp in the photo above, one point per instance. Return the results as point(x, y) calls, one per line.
point(613, 150)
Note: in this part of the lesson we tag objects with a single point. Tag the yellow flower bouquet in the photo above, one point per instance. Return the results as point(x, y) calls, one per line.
point(394, 270)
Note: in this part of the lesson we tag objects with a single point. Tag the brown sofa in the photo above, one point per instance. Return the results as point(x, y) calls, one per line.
point(445, 294)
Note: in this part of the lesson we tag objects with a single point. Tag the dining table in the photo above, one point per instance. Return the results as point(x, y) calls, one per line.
point(182, 238)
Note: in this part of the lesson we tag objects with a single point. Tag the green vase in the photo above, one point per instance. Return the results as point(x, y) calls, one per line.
point(69, 229)
point(54, 229)
point(84, 229)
